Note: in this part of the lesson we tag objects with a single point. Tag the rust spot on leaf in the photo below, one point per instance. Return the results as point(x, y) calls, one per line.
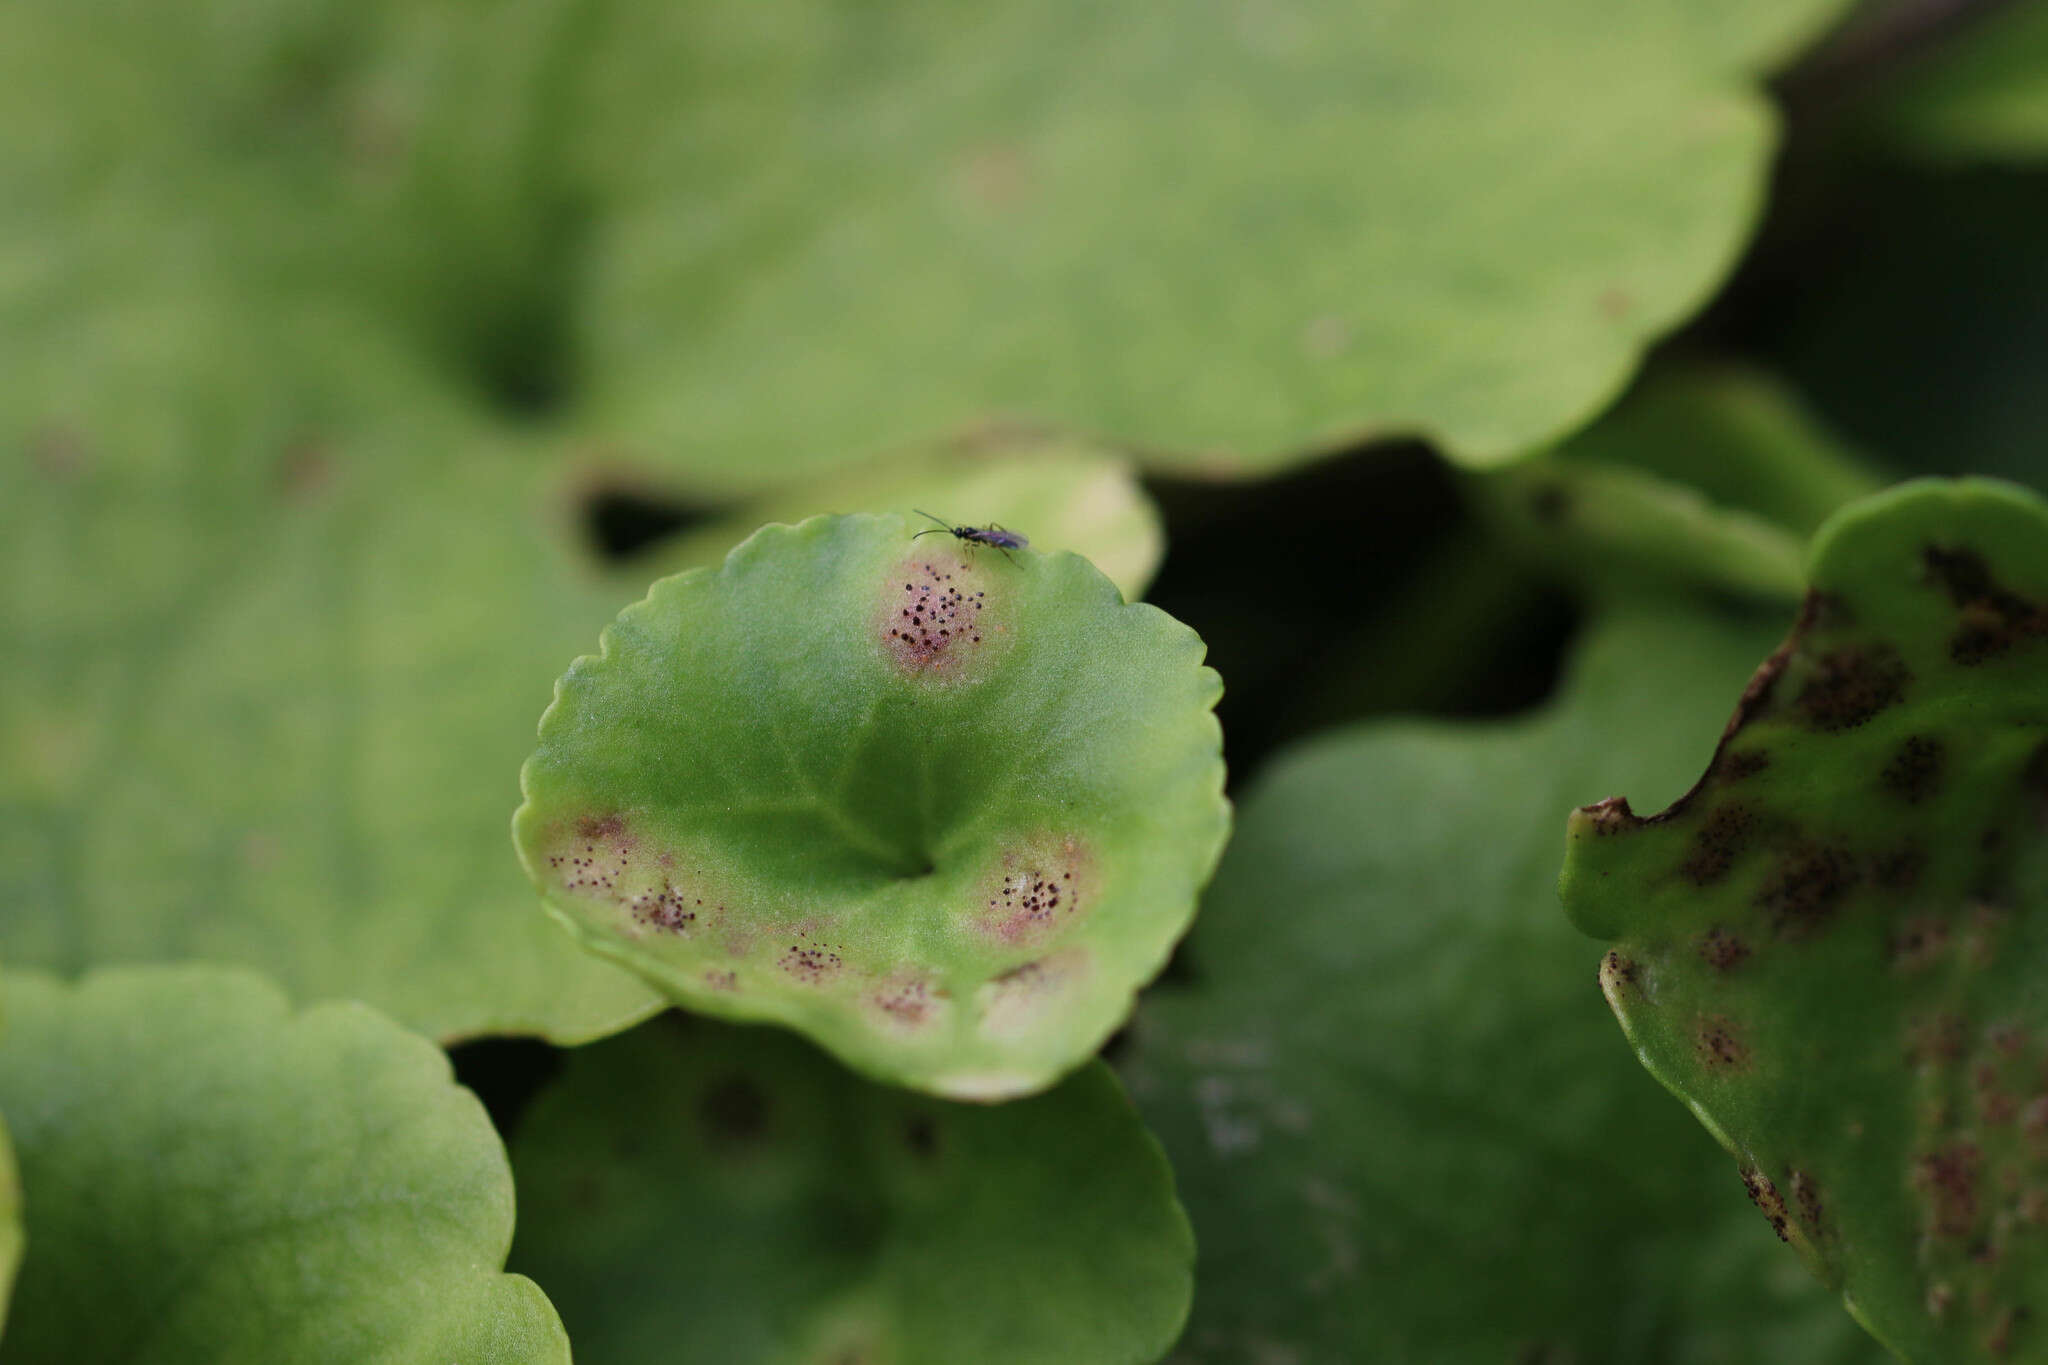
point(1991, 618)
point(1769, 1202)
point(1719, 1044)
point(1719, 841)
point(1914, 772)
point(1848, 687)
point(1946, 1179)
point(1722, 950)
point(1803, 891)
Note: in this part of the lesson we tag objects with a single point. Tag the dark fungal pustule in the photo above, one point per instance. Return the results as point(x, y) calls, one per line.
point(1805, 888)
point(1722, 950)
point(1992, 618)
point(1850, 686)
point(934, 620)
point(1769, 1202)
point(1914, 772)
point(1719, 1045)
point(1720, 840)
point(1946, 1180)
point(1806, 1194)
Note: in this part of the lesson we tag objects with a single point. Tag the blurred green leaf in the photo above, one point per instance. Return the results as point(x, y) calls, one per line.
point(279, 616)
point(942, 808)
point(1400, 1125)
point(702, 1192)
point(1830, 947)
point(1232, 236)
point(1064, 494)
point(1981, 96)
point(1710, 476)
point(752, 241)
point(213, 1178)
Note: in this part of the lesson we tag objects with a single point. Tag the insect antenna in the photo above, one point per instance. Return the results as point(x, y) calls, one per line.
point(943, 525)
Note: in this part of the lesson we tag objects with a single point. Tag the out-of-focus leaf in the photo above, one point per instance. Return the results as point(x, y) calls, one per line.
point(1831, 947)
point(1707, 476)
point(1063, 494)
point(942, 808)
point(703, 1192)
point(1397, 1118)
point(278, 618)
point(211, 1177)
point(1229, 235)
point(1981, 96)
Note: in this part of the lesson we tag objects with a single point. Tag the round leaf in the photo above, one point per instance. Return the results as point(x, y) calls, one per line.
point(1071, 496)
point(942, 807)
point(1831, 947)
point(693, 1191)
point(1399, 1123)
point(1230, 237)
point(272, 655)
point(211, 1177)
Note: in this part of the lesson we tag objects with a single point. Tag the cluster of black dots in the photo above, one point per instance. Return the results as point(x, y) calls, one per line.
point(810, 963)
point(667, 908)
point(1032, 898)
point(584, 872)
point(937, 614)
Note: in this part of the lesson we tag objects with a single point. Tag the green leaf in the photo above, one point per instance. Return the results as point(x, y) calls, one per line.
point(1702, 475)
point(1067, 495)
point(944, 809)
point(780, 237)
point(268, 641)
point(693, 1191)
point(1981, 96)
point(1232, 238)
point(1829, 946)
point(1399, 1124)
point(211, 1177)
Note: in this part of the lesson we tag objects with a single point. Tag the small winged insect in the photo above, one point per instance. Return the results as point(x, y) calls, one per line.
point(996, 536)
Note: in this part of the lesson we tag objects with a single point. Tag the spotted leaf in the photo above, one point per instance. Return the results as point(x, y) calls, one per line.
point(1401, 1127)
point(942, 807)
point(1831, 946)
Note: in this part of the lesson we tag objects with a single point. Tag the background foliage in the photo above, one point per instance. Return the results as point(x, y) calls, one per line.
point(1470, 378)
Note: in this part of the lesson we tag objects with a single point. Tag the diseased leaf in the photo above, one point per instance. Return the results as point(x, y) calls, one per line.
point(267, 643)
point(942, 808)
point(1397, 1123)
point(1830, 947)
point(1231, 237)
point(211, 1177)
point(694, 1191)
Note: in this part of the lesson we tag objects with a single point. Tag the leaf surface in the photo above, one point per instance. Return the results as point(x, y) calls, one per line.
point(1397, 1121)
point(212, 1177)
point(942, 807)
point(1831, 946)
point(274, 654)
point(695, 1191)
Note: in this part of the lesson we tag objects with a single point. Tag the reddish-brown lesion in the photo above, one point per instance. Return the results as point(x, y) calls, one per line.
point(1037, 891)
point(935, 616)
